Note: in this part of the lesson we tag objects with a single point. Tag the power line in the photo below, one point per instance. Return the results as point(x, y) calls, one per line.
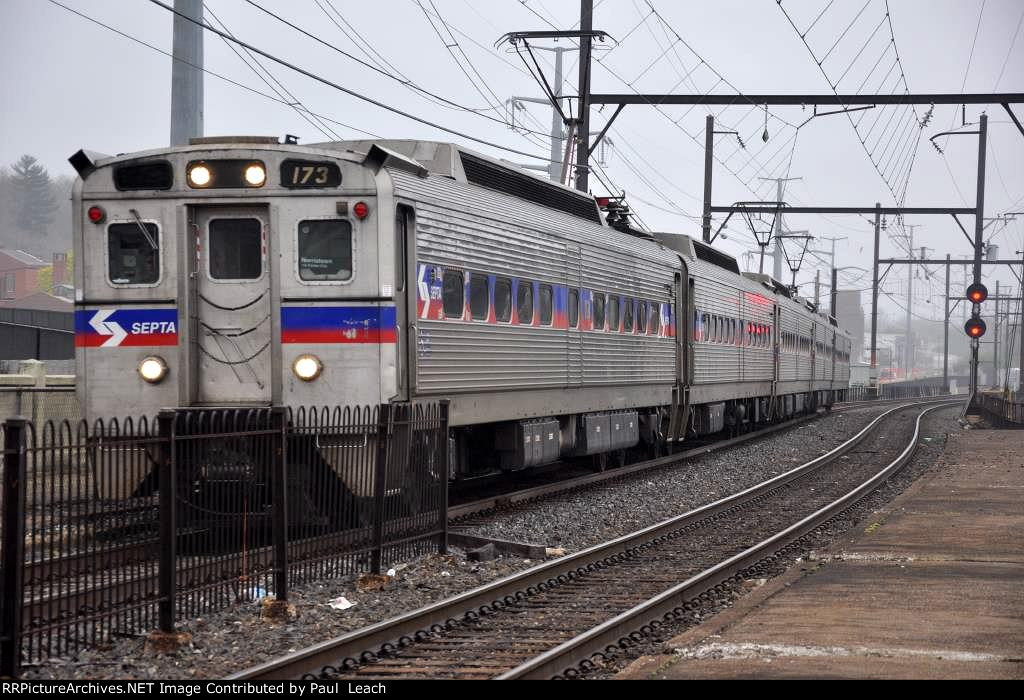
point(281, 91)
point(377, 69)
point(203, 69)
point(347, 91)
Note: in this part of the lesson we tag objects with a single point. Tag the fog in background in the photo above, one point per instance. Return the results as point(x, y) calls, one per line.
point(69, 83)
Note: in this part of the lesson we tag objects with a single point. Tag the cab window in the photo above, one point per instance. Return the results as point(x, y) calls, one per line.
point(325, 249)
point(133, 253)
point(236, 249)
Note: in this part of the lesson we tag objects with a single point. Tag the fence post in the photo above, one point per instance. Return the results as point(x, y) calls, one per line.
point(442, 429)
point(167, 575)
point(280, 513)
point(13, 544)
point(380, 484)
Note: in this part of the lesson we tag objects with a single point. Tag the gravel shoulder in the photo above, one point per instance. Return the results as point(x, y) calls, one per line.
point(234, 639)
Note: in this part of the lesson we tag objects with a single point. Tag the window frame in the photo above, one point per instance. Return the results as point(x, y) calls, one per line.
point(106, 256)
point(444, 309)
point(573, 292)
point(604, 310)
point(640, 316)
point(533, 301)
point(628, 315)
point(473, 277)
point(295, 248)
point(654, 327)
point(511, 299)
point(264, 261)
point(539, 304)
point(618, 313)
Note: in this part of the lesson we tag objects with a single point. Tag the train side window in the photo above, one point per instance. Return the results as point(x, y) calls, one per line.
point(598, 311)
point(545, 302)
point(453, 293)
point(236, 249)
point(705, 327)
point(613, 313)
point(641, 317)
point(479, 301)
point(133, 255)
point(655, 324)
point(502, 300)
point(574, 308)
point(524, 302)
point(325, 249)
point(627, 315)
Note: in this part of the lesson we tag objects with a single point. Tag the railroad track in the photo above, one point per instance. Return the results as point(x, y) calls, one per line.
point(548, 620)
point(129, 571)
point(460, 511)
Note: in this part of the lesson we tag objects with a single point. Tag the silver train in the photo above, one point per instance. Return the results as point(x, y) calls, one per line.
point(244, 272)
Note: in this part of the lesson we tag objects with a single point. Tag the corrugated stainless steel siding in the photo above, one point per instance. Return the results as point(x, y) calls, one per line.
point(468, 227)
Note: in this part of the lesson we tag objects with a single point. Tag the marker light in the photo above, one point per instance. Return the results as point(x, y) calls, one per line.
point(307, 367)
point(255, 175)
point(96, 214)
point(199, 175)
point(153, 369)
point(975, 328)
point(361, 210)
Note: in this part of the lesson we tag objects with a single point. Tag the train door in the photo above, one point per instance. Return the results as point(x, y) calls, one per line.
point(405, 299)
point(231, 307)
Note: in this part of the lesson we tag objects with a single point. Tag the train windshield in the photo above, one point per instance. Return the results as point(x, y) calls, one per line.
point(133, 253)
point(325, 249)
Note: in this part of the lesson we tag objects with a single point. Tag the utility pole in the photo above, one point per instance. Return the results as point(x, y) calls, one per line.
point(583, 132)
point(778, 231)
point(554, 167)
point(186, 78)
point(979, 240)
point(834, 294)
point(945, 339)
point(817, 288)
point(995, 342)
point(874, 297)
point(1020, 328)
point(908, 350)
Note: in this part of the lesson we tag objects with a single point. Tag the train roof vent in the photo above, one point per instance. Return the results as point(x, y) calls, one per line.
point(715, 257)
point(496, 177)
point(234, 140)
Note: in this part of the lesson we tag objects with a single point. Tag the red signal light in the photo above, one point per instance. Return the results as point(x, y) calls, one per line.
point(975, 328)
point(96, 214)
point(977, 293)
point(361, 210)
point(602, 202)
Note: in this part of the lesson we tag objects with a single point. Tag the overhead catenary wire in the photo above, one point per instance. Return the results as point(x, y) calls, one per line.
point(205, 70)
point(352, 93)
point(253, 63)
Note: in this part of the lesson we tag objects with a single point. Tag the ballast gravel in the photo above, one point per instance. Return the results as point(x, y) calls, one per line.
point(234, 639)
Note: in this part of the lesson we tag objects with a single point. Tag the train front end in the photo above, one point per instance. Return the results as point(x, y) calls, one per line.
point(236, 274)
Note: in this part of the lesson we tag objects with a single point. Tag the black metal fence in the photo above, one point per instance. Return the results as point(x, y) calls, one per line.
point(898, 390)
point(121, 527)
point(1006, 410)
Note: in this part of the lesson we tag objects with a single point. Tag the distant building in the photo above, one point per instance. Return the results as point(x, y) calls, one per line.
point(850, 315)
point(19, 274)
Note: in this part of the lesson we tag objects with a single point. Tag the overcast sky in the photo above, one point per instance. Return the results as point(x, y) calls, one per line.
point(69, 83)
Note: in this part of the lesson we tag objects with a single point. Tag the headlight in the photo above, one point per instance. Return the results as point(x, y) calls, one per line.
point(307, 367)
point(255, 175)
point(153, 369)
point(199, 175)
